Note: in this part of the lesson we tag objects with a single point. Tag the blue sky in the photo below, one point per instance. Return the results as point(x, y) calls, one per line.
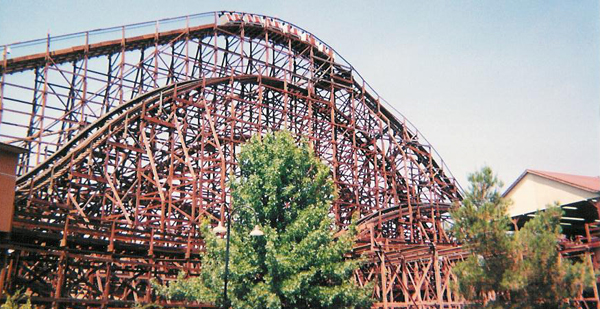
point(510, 84)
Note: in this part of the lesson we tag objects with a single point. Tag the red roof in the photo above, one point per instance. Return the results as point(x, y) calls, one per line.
point(588, 183)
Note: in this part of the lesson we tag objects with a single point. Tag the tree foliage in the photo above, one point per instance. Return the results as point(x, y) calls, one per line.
point(298, 263)
point(18, 300)
point(512, 270)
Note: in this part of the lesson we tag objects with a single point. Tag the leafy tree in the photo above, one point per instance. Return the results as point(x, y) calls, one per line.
point(297, 263)
point(512, 270)
point(18, 300)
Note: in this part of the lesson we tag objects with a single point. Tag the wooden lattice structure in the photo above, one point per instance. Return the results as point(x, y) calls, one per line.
point(131, 135)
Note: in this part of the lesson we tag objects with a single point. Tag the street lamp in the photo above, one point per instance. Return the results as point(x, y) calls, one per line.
point(220, 229)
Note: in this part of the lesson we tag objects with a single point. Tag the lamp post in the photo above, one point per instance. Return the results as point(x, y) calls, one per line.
point(220, 229)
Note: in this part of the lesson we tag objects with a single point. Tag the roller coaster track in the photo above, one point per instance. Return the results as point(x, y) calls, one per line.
point(131, 135)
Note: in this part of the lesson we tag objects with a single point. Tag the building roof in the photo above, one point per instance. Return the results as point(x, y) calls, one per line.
point(12, 149)
point(587, 183)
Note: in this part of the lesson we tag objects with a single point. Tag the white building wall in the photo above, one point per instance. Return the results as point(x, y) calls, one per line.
point(534, 192)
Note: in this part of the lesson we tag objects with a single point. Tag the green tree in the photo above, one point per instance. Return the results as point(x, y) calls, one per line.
point(511, 270)
point(18, 300)
point(298, 263)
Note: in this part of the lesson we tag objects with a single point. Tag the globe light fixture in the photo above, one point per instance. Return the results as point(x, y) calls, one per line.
point(220, 229)
point(256, 231)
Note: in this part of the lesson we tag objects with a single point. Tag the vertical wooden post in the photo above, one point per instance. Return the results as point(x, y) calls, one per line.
point(438, 278)
point(384, 298)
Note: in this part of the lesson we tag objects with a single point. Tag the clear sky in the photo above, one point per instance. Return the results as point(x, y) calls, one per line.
point(510, 84)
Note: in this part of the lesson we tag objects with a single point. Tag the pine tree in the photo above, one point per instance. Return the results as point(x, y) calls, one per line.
point(512, 270)
point(298, 263)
